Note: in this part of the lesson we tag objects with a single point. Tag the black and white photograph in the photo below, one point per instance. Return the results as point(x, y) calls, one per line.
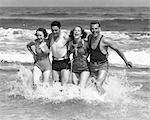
point(74, 60)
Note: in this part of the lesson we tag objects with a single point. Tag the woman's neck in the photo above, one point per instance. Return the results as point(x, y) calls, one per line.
point(77, 40)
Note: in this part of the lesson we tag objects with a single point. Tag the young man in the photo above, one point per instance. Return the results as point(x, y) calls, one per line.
point(60, 63)
point(98, 49)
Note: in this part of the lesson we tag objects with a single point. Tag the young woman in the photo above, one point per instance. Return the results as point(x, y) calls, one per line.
point(78, 46)
point(40, 51)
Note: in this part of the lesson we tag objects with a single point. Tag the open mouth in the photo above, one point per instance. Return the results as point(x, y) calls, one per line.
point(76, 35)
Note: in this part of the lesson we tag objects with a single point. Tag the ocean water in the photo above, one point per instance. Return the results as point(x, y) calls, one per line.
point(127, 94)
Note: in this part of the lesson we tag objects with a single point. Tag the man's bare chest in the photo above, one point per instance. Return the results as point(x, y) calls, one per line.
point(94, 43)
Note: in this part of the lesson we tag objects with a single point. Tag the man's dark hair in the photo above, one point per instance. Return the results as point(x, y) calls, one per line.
point(56, 23)
point(95, 22)
point(42, 30)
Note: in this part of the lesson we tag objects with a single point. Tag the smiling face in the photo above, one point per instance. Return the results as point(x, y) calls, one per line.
point(40, 35)
point(95, 29)
point(77, 33)
point(55, 31)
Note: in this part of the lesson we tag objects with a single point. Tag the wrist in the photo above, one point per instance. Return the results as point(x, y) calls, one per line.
point(33, 54)
point(126, 62)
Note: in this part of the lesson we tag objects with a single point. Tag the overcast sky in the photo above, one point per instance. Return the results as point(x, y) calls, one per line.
point(75, 3)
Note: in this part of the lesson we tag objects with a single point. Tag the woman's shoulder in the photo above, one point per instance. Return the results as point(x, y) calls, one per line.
point(71, 43)
point(31, 43)
point(47, 41)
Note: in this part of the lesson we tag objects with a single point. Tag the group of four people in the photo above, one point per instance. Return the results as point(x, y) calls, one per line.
point(81, 46)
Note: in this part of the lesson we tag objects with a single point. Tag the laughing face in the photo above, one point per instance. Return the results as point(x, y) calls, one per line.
point(77, 33)
point(95, 29)
point(40, 35)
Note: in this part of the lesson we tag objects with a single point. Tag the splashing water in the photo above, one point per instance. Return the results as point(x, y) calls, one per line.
point(117, 88)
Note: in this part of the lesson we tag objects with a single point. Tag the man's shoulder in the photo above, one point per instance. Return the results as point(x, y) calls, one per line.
point(106, 40)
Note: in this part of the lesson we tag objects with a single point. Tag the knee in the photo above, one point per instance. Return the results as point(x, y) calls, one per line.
point(65, 74)
point(55, 79)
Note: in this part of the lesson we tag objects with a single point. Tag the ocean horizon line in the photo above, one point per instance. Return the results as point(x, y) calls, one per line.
point(78, 6)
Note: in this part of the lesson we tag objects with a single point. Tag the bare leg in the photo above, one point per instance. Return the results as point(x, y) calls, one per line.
point(75, 78)
point(55, 76)
point(36, 76)
point(70, 80)
point(71, 74)
point(65, 73)
point(84, 76)
point(100, 80)
point(46, 75)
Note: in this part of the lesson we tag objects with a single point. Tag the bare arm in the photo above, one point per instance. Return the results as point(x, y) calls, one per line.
point(50, 40)
point(66, 37)
point(29, 47)
point(109, 42)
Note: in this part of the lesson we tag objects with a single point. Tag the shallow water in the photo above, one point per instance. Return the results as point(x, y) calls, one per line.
point(127, 98)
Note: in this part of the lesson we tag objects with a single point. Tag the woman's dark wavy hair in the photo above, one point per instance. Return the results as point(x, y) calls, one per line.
point(84, 34)
point(42, 30)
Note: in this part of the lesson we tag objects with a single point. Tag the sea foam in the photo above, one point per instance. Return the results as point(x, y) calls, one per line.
point(13, 46)
point(116, 86)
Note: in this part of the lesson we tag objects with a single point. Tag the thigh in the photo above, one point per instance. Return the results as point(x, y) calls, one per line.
point(55, 75)
point(37, 73)
point(65, 73)
point(46, 75)
point(98, 70)
point(75, 78)
point(102, 75)
point(84, 76)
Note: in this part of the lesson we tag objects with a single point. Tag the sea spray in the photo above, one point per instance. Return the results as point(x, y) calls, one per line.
point(22, 86)
point(116, 86)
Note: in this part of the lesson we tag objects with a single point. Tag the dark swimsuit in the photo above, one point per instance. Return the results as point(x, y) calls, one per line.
point(80, 62)
point(59, 65)
point(43, 62)
point(98, 60)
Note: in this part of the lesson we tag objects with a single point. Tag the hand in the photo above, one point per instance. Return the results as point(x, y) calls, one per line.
point(84, 56)
point(129, 64)
point(42, 44)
